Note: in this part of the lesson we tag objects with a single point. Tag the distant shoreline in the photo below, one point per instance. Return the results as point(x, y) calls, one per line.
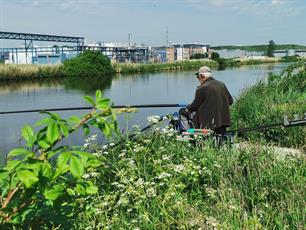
point(18, 72)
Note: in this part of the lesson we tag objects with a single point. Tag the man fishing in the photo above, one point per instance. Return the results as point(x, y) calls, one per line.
point(210, 107)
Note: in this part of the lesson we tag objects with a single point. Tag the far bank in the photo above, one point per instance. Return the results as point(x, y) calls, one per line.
point(16, 72)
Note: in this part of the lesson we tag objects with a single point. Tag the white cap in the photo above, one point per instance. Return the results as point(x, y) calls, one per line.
point(205, 71)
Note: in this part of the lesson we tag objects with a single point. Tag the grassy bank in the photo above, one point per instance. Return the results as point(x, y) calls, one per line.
point(160, 183)
point(267, 102)
point(16, 72)
point(188, 65)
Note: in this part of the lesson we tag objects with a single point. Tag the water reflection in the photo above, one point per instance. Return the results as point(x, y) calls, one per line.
point(85, 84)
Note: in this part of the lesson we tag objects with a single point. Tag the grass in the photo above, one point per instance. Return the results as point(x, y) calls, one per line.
point(267, 102)
point(16, 72)
point(157, 182)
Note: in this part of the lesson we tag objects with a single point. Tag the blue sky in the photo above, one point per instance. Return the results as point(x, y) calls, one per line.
point(214, 22)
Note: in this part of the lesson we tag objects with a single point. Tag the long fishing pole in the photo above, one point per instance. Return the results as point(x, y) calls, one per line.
point(286, 123)
point(88, 108)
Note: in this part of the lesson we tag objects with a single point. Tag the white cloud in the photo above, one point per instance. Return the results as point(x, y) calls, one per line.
point(275, 2)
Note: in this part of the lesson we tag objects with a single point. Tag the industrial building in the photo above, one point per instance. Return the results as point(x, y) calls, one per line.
point(117, 52)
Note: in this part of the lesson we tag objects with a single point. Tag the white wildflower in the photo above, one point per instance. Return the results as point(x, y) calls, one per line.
point(111, 144)
point(166, 157)
point(146, 141)
point(164, 175)
point(211, 221)
point(97, 154)
point(178, 168)
point(153, 119)
point(151, 192)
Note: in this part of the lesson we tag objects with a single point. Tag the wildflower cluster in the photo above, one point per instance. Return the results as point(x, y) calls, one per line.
point(158, 182)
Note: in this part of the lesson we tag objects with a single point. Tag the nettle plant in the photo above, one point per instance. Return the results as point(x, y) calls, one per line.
point(42, 184)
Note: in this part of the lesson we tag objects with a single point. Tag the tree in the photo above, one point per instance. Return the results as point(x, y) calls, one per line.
point(271, 48)
point(198, 56)
point(87, 64)
point(215, 56)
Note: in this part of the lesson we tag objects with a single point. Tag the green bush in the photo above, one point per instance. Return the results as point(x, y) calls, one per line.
point(215, 56)
point(43, 185)
point(198, 56)
point(87, 64)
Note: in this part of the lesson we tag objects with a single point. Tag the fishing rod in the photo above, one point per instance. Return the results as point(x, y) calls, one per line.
point(286, 123)
point(88, 108)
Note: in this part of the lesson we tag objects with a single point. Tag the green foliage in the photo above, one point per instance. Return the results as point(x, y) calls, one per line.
point(294, 58)
point(87, 64)
point(155, 67)
point(157, 182)
point(215, 56)
point(264, 103)
point(271, 48)
point(222, 63)
point(199, 56)
point(43, 182)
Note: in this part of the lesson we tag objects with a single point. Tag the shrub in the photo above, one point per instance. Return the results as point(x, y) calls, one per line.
point(87, 64)
point(215, 56)
point(43, 185)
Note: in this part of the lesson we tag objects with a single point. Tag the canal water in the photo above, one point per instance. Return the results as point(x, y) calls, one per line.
point(165, 87)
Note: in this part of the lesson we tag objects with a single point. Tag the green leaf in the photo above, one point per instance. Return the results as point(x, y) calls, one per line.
point(76, 168)
point(91, 188)
point(35, 165)
point(47, 170)
point(86, 129)
point(28, 134)
point(70, 191)
point(19, 151)
point(103, 104)
point(12, 164)
point(106, 129)
point(62, 159)
point(44, 122)
point(98, 95)
point(4, 175)
point(43, 143)
point(90, 100)
point(64, 129)
point(94, 163)
point(52, 133)
point(28, 178)
point(74, 119)
point(55, 192)
point(83, 154)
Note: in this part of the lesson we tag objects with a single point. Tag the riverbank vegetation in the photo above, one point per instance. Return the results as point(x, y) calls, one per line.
point(267, 103)
point(88, 64)
point(94, 64)
point(155, 181)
